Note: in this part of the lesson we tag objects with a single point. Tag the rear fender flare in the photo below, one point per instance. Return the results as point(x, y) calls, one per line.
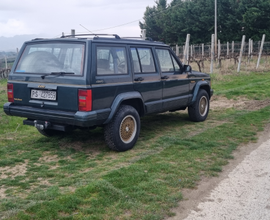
point(120, 99)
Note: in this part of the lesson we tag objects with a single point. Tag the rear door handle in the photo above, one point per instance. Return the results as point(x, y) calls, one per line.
point(165, 77)
point(139, 79)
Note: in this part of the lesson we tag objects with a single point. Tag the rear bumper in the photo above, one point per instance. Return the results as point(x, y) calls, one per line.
point(81, 119)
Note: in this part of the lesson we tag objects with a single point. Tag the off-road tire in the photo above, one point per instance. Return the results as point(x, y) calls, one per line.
point(198, 111)
point(123, 131)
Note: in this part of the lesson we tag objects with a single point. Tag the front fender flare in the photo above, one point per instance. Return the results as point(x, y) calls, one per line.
point(199, 85)
point(119, 99)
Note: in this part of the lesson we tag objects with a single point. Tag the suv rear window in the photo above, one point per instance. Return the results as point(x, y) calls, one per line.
point(52, 57)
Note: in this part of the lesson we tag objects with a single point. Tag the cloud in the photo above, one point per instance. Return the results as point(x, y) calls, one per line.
point(15, 6)
point(13, 26)
point(53, 17)
point(114, 4)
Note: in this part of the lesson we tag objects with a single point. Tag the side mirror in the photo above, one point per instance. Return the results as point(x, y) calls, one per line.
point(187, 68)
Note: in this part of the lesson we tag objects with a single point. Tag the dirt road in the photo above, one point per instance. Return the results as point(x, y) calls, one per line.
point(242, 191)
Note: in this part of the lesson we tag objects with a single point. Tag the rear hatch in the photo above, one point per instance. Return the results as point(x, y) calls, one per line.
point(49, 74)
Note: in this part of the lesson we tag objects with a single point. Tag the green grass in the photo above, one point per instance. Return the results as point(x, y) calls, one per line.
point(253, 85)
point(77, 177)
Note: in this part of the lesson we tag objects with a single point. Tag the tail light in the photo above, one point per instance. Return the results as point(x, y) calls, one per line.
point(85, 100)
point(10, 92)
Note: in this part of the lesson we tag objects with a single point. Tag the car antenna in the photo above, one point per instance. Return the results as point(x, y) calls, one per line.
point(88, 30)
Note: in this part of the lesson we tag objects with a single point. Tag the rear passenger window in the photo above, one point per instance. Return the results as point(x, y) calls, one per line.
point(167, 61)
point(143, 61)
point(111, 60)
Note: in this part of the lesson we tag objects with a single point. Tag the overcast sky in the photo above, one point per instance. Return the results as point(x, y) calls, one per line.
point(52, 17)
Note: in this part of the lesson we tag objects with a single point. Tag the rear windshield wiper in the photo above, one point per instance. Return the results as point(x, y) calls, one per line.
point(58, 74)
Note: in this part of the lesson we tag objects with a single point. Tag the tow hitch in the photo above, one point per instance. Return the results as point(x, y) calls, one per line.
point(42, 124)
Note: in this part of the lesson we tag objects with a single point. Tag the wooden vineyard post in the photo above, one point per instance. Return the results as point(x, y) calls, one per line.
point(212, 53)
point(73, 33)
point(241, 53)
point(143, 34)
point(186, 51)
point(260, 53)
point(233, 52)
point(249, 50)
point(177, 50)
point(6, 62)
point(219, 51)
point(202, 58)
point(202, 51)
point(232, 48)
point(228, 50)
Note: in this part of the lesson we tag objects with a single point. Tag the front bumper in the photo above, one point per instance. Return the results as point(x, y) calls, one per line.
point(80, 119)
point(211, 93)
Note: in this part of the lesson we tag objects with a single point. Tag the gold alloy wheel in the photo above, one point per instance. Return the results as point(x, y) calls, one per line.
point(128, 129)
point(203, 105)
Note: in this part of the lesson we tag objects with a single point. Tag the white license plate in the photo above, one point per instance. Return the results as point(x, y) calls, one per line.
point(43, 94)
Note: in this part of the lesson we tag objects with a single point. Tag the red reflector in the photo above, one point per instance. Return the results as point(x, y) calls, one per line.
point(10, 93)
point(85, 100)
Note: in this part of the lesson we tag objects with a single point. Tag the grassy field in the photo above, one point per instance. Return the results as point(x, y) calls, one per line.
point(77, 177)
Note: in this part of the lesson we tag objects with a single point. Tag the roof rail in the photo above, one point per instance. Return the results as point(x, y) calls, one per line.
point(39, 39)
point(96, 35)
point(139, 38)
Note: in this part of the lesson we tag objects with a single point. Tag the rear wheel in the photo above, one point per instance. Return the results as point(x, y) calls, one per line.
point(198, 111)
point(122, 132)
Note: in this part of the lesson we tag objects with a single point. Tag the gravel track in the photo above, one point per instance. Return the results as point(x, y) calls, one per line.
point(241, 192)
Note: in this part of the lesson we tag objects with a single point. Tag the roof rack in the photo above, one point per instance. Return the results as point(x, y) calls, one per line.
point(96, 35)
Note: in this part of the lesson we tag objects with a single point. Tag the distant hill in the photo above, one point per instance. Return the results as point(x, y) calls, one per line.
point(12, 43)
point(8, 54)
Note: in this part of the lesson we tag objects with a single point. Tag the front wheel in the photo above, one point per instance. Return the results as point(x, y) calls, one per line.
point(122, 132)
point(198, 111)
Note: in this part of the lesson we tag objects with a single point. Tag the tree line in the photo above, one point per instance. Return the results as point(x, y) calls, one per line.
point(171, 23)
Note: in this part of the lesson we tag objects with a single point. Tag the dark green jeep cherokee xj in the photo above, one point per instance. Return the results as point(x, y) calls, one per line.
point(87, 81)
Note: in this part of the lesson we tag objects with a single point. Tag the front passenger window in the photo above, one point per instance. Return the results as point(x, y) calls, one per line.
point(176, 65)
point(167, 61)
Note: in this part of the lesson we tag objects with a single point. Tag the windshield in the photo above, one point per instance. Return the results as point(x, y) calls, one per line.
point(52, 57)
